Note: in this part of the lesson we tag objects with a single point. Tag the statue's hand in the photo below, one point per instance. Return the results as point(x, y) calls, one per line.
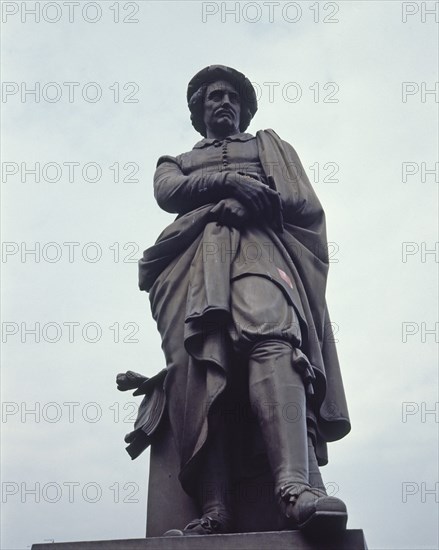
point(230, 212)
point(260, 200)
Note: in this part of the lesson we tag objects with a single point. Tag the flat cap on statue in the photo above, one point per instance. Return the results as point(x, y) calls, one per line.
point(213, 73)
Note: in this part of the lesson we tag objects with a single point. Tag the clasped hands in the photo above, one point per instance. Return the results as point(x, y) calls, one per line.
point(249, 199)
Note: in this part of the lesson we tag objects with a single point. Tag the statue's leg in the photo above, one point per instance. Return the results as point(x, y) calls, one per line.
point(213, 485)
point(214, 482)
point(290, 411)
point(266, 326)
point(277, 396)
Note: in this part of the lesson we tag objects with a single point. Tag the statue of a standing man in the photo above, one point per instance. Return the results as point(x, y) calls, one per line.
point(237, 286)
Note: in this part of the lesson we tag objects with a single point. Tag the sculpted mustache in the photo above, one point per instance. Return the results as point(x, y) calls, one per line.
point(222, 111)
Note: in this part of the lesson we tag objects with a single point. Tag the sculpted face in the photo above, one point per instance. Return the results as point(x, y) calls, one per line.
point(222, 110)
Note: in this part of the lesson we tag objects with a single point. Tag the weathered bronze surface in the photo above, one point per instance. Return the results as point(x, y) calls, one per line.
point(252, 390)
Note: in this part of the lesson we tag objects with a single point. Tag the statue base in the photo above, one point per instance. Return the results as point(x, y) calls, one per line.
point(352, 539)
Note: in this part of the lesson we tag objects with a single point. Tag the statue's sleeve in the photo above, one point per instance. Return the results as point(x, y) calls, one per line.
point(179, 193)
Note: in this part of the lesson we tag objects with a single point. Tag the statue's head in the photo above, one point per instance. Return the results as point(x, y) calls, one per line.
point(222, 99)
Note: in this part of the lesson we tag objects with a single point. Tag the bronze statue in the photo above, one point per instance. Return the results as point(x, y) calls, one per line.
point(237, 288)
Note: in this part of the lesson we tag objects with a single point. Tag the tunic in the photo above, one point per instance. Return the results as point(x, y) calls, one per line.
point(254, 254)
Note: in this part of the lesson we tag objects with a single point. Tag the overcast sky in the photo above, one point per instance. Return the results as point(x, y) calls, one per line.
point(352, 90)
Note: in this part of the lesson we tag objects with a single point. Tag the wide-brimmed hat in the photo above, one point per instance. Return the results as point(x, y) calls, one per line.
point(213, 73)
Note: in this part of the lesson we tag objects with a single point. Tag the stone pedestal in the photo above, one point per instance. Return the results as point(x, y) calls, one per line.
point(352, 539)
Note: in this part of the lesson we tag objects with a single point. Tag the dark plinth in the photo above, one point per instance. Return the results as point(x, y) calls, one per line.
point(352, 539)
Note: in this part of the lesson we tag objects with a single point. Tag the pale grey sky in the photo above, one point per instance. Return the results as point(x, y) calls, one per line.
point(369, 143)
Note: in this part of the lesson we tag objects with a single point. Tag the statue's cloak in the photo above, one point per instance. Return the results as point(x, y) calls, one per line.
point(189, 289)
